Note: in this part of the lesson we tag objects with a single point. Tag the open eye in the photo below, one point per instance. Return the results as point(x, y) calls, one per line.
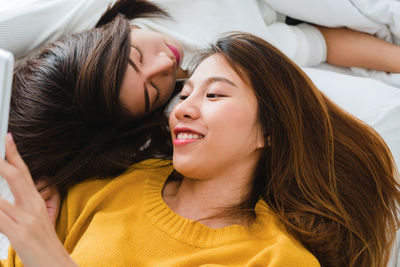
point(213, 95)
point(185, 92)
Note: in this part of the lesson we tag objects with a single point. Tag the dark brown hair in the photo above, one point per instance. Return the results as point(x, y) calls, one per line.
point(329, 177)
point(65, 113)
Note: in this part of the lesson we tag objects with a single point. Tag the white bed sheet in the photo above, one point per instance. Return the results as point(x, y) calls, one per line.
point(372, 101)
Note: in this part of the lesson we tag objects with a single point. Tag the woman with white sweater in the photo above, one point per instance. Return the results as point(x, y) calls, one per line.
point(29, 24)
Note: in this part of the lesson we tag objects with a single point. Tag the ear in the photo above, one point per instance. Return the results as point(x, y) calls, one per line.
point(260, 138)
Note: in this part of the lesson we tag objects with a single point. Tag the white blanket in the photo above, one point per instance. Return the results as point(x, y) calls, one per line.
point(380, 17)
point(377, 17)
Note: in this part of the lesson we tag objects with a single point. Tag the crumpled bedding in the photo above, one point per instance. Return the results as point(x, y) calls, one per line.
point(386, 15)
point(377, 17)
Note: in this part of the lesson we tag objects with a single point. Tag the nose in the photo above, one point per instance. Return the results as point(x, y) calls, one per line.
point(162, 65)
point(188, 109)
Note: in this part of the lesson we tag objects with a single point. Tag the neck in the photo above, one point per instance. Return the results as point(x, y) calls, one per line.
point(205, 200)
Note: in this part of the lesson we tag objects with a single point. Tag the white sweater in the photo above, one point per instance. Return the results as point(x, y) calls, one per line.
point(28, 24)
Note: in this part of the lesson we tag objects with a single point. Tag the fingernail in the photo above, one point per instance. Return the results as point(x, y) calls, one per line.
point(10, 138)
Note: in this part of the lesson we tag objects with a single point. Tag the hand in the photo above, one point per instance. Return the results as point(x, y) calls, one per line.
point(52, 199)
point(26, 222)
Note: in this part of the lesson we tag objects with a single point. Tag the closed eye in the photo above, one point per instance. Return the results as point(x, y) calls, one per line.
point(130, 61)
point(158, 91)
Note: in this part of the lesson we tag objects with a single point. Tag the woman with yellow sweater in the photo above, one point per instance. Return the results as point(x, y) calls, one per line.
point(266, 172)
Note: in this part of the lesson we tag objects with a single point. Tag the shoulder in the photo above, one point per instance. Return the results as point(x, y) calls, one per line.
point(283, 250)
point(279, 248)
point(91, 192)
point(111, 194)
point(136, 174)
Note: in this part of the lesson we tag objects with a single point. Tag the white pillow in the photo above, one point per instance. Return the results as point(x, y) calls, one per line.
point(372, 101)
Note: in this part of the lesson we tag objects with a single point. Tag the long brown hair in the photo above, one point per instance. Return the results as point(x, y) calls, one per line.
point(328, 176)
point(65, 113)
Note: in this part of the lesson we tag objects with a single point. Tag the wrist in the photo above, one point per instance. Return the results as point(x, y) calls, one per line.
point(50, 253)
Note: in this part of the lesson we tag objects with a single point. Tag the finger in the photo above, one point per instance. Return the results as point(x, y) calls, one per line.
point(9, 173)
point(7, 225)
point(20, 188)
point(13, 156)
point(24, 215)
point(10, 210)
point(18, 178)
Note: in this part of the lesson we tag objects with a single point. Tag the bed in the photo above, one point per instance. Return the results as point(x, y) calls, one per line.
point(372, 96)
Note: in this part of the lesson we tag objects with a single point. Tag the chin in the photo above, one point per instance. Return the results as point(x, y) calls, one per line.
point(185, 166)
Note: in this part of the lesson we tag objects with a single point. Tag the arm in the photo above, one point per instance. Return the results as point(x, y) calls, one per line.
point(350, 48)
point(26, 222)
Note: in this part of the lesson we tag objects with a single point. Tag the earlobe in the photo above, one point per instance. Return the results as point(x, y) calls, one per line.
point(265, 141)
point(261, 141)
point(269, 141)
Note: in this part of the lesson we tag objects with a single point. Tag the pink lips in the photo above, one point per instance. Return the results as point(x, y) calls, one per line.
point(182, 142)
point(178, 142)
point(176, 53)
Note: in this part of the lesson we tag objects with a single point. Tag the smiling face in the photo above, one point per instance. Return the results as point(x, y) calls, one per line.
point(215, 127)
point(151, 73)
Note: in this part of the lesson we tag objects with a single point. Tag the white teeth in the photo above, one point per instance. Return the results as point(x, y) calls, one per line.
point(188, 136)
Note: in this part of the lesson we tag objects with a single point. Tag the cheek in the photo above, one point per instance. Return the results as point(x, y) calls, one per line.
point(131, 97)
point(235, 118)
point(166, 94)
point(132, 101)
point(236, 129)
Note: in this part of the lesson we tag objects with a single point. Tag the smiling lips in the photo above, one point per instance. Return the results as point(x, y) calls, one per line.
point(186, 136)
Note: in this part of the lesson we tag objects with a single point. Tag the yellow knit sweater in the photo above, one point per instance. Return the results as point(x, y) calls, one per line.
point(125, 222)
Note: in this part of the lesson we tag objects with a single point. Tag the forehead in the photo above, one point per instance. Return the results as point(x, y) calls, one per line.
point(217, 68)
point(138, 33)
point(216, 65)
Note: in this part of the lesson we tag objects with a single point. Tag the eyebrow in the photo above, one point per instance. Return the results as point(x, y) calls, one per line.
point(212, 80)
point(130, 61)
